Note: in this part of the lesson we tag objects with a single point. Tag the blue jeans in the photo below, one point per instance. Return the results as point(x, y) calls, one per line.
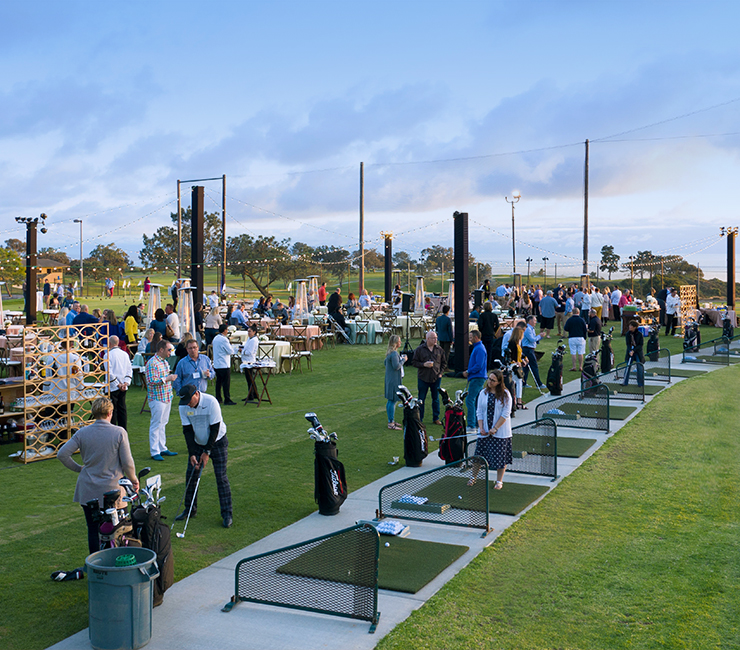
point(532, 365)
point(423, 387)
point(640, 370)
point(475, 386)
point(390, 408)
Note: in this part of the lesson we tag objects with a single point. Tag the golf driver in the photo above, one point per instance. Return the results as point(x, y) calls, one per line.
point(195, 494)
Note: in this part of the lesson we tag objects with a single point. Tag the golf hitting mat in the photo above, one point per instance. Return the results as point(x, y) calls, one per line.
point(593, 411)
point(455, 492)
point(677, 372)
point(574, 447)
point(633, 389)
point(404, 565)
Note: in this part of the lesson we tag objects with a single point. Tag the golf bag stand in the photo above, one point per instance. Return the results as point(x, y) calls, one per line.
point(415, 443)
point(653, 344)
point(555, 373)
point(589, 372)
point(607, 354)
point(454, 443)
point(691, 336)
point(330, 482)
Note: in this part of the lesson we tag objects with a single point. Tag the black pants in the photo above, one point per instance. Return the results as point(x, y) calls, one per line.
point(446, 345)
point(219, 457)
point(671, 320)
point(487, 343)
point(210, 335)
point(93, 539)
point(532, 365)
point(120, 417)
point(223, 380)
point(252, 393)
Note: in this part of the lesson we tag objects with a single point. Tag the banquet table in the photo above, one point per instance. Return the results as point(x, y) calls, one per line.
point(311, 332)
point(374, 329)
point(275, 350)
point(239, 336)
point(715, 316)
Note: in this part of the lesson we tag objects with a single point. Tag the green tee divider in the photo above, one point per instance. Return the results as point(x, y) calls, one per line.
point(591, 410)
point(404, 565)
point(632, 389)
point(567, 447)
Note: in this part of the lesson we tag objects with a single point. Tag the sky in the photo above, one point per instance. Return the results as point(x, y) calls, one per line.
point(450, 106)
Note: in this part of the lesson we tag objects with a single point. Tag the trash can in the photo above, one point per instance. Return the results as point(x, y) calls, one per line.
point(121, 597)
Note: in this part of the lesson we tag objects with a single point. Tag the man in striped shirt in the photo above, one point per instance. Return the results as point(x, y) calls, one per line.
point(159, 380)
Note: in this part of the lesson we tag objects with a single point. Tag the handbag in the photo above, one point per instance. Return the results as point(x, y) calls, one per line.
point(517, 370)
point(168, 332)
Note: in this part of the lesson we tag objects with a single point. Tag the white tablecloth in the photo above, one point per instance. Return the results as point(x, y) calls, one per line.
point(374, 329)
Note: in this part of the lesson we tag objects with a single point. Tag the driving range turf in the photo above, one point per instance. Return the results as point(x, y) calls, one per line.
point(637, 549)
point(270, 469)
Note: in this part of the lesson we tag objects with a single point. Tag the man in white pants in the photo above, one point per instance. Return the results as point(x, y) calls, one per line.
point(159, 380)
point(672, 305)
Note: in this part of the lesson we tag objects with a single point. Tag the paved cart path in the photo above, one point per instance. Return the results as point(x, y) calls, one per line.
point(191, 616)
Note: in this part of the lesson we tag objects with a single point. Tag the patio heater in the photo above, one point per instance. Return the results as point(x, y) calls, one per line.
point(155, 302)
point(451, 296)
point(300, 312)
point(419, 296)
point(2, 313)
point(313, 288)
point(186, 310)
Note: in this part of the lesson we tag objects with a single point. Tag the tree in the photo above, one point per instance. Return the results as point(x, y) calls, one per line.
point(12, 268)
point(54, 254)
point(438, 256)
point(402, 260)
point(16, 245)
point(161, 248)
point(373, 259)
point(106, 261)
point(336, 260)
point(609, 260)
point(262, 260)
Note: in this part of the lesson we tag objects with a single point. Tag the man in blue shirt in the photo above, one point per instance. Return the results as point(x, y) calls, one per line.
point(529, 342)
point(547, 312)
point(194, 369)
point(237, 317)
point(73, 311)
point(84, 318)
point(476, 374)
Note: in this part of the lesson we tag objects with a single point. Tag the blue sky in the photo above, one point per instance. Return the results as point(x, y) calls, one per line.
point(104, 105)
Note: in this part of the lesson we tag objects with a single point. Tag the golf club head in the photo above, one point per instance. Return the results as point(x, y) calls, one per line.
point(180, 535)
point(314, 420)
point(463, 396)
point(445, 396)
point(406, 392)
point(144, 472)
point(333, 436)
point(154, 482)
point(315, 436)
point(161, 500)
point(457, 395)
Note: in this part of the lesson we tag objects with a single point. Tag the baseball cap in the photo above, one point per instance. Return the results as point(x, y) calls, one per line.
point(186, 394)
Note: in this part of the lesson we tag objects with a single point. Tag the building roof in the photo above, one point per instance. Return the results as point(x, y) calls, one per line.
point(47, 263)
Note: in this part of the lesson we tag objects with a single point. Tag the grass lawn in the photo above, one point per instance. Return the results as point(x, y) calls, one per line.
point(637, 549)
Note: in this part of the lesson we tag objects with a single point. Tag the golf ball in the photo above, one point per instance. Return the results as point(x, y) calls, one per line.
point(387, 544)
point(459, 496)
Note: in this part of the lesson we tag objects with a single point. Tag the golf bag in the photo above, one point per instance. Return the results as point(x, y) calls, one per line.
point(728, 330)
point(653, 344)
point(607, 354)
point(454, 443)
point(155, 535)
point(330, 482)
point(691, 336)
point(588, 374)
point(555, 373)
point(495, 351)
point(415, 444)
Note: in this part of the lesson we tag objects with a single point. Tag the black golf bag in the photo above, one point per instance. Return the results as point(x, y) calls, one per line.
point(653, 344)
point(330, 482)
point(588, 374)
point(691, 336)
point(728, 330)
point(454, 443)
point(607, 354)
point(555, 373)
point(415, 444)
point(495, 351)
point(155, 535)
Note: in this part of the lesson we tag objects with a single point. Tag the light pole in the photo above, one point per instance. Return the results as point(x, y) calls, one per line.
point(529, 261)
point(544, 284)
point(81, 282)
point(515, 196)
point(632, 274)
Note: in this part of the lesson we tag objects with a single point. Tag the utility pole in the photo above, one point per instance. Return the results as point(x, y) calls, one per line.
point(662, 276)
point(529, 261)
point(632, 274)
point(81, 283)
point(409, 276)
point(179, 233)
point(361, 284)
point(585, 214)
point(731, 234)
point(556, 274)
point(544, 283)
point(223, 241)
point(477, 266)
point(514, 199)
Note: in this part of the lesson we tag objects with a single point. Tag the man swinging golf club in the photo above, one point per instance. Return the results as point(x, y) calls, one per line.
point(205, 435)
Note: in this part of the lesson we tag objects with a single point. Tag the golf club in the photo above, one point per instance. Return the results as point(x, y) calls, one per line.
point(333, 436)
point(183, 496)
point(195, 494)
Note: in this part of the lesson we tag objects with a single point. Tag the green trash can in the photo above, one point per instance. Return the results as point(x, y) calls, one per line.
point(121, 597)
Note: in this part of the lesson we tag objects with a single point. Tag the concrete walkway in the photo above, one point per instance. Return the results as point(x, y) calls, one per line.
point(191, 616)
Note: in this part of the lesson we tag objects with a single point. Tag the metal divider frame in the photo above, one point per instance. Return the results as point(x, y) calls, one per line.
point(710, 349)
point(341, 579)
point(663, 362)
point(536, 459)
point(390, 503)
point(616, 375)
point(579, 399)
point(734, 345)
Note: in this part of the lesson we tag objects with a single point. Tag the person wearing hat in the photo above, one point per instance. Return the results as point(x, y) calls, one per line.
point(205, 435)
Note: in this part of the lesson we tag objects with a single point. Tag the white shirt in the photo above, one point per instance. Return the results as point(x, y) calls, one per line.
point(671, 304)
point(222, 351)
point(616, 296)
point(174, 322)
point(119, 368)
point(500, 410)
point(597, 299)
point(213, 301)
point(249, 350)
point(201, 417)
point(586, 302)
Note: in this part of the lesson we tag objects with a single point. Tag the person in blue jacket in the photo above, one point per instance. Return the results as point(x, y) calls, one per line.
point(476, 374)
point(443, 325)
